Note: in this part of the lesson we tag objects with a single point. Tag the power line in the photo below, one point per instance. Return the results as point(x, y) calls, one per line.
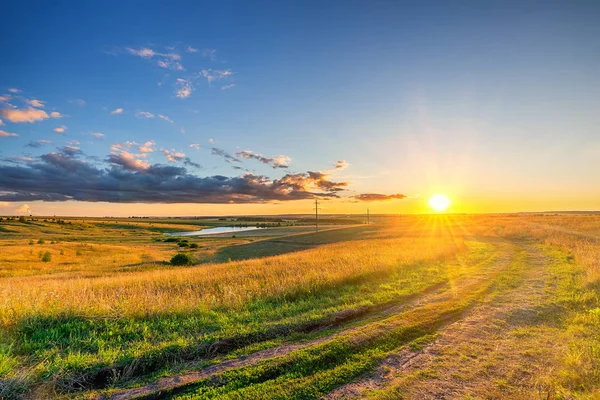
point(317, 215)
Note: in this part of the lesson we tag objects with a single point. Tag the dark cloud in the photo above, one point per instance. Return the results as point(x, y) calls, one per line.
point(190, 163)
point(64, 175)
point(38, 144)
point(228, 157)
point(274, 162)
point(378, 197)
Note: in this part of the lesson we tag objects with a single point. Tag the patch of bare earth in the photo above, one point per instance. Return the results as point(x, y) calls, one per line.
point(468, 281)
point(503, 348)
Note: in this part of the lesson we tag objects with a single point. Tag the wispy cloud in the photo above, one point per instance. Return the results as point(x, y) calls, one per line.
point(55, 114)
point(163, 60)
point(7, 134)
point(191, 49)
point(79, 102)
point(60, 129)
point(35, 103)
point(210, 54)
point(226, 87)
point(274, 162)
point(183, 89)
point(24, 115)
point(228, 157)
point(195, 146)
point(38, 144)
point(172, 155)
point(117, 111)
point(73, 143)
point(14, 90)
point(341, 164)
point(378, 197)
point(97, 135)
point(214, 75)
point(165, 118)
point(4, 98)
point(144, 114)
point(1, 122)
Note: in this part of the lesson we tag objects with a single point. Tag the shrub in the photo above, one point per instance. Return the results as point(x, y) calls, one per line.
point(172, 240)
point(182, 259)
point(22, 219)
point(41, 241)
point(184, 244)
point(31, 242)
point(47, 257)
point(78, 252)
point(194, 246)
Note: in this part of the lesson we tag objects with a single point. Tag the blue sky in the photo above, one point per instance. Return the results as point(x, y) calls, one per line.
point(495, 105)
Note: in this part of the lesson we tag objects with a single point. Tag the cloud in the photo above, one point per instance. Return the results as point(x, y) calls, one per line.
point(7, 134)
point(60, 129)
point(275, 162)
point(24, 209)
point(24, 115)
point(183, 89)
point(1, 122)
point(341, 164)
point(55, 114)
point(190, 49)
point(164, 60)
point(79, 102)
point(172, 155)
point(378, 197)
point(190, 163)
point(228, 157)
point(24, 159)
point(147, 147)
point(97, 135)
point(38, 144)
point(214, 75)
point(128, 161)
point(195, 145)
point(4, 98)
point(165, 118)
point(144, 114)
point(62, 176)
point(14, 90)
point(73, 142)
point(117, 111)
point(210, 54)
point(226, 87)
point(35, 103)
point(211, 140)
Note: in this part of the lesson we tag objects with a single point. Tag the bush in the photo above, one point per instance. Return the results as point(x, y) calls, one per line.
point(41, 241)
point(194, 246)
point(182, 259)
point(22, 219)
point(78, 252)
point(47, 257)
point(184, 244)
point(172, 240)
point(31, 242)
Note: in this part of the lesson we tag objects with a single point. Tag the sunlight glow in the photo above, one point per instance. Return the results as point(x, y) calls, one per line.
point(439, 202)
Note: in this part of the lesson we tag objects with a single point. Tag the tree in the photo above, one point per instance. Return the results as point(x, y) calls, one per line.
point(182, 259)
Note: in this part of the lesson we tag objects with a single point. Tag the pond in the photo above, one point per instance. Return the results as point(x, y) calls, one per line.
point(214, 231)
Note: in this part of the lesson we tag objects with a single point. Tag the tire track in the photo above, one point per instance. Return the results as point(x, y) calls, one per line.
point(462, 361)
point(438, 293)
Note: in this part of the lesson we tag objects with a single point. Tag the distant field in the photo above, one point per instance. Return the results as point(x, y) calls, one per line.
point(409, 307)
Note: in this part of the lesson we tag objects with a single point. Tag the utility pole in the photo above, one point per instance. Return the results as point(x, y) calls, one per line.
point(316, 215)
point(368, 219)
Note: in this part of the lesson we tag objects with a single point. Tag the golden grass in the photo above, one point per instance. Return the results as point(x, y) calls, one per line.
point(207, 286)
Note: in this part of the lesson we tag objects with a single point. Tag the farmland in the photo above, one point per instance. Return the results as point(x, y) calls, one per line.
point(490, 306)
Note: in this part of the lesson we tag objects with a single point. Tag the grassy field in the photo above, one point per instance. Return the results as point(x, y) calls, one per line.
point(504, 306)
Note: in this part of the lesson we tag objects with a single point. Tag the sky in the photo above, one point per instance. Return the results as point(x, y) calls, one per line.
point(235, 107)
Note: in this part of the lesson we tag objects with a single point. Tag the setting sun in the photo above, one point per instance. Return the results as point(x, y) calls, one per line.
point(439, 202)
